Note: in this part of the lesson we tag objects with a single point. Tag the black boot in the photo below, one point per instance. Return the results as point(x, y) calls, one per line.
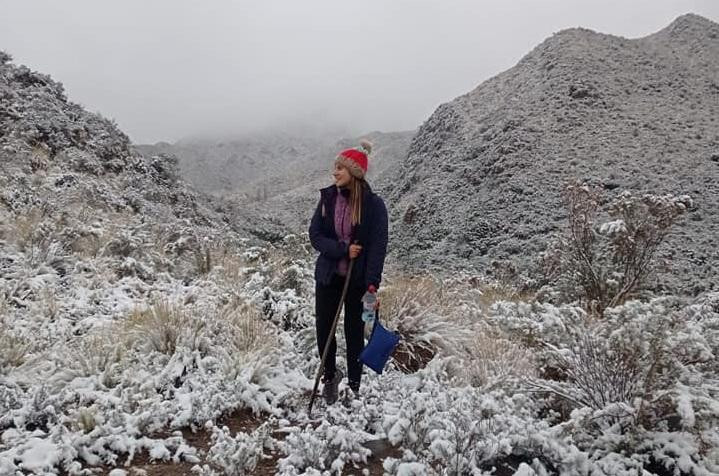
point(329, 390)
point(351, 394)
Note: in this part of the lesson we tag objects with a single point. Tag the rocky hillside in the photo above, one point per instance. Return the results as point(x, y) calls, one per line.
point(483, 176)
point(58, 158)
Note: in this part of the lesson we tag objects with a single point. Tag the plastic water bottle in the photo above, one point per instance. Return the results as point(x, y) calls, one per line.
point(368, 302)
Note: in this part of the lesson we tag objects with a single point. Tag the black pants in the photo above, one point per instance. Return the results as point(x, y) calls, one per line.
point(327, 298)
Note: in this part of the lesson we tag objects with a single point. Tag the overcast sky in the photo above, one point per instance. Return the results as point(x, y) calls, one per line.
point(166, 69)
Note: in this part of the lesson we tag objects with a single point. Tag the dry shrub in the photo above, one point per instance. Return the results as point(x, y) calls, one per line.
point(287, 262)
point(84, 419)
point(39, 157)
point(192, 253)
point(208, 254)
point(202, 257)
point(32, 234)
point(91, 241)
point(481, 296)
point(249, 344)
point(610, 261)
point(230, 265)
point(236, 331)
point(161, 325)
point(26, 226)
point(99, 353)
point(13, 351)
point(51, 304)
point(493, 360)
point(246, 331)
point(426, 317)
point(490, 294)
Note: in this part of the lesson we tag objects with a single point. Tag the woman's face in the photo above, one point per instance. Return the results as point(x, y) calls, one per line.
point(342, 175)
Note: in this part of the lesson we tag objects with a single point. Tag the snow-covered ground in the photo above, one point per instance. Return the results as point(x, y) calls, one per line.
point(97, 363)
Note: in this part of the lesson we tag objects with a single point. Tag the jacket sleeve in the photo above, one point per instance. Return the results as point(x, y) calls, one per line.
point(329, 247)
point(377, 249)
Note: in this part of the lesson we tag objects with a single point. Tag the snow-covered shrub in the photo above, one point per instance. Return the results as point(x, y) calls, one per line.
point(609, 261)
point(91, 235)
point(238, 455)
point(124, 244)
point(596, 373)
point(332, 447)
point(288, 265)
point(284, 308)
point(280, 283)
point(624, 388)
point(129, 266)
point(12, 397)
point(39, 410)
point(441, 425)
point(710, 302)
point(633, 380)
point(534, 323)
point(166, 168)
point(606, 362)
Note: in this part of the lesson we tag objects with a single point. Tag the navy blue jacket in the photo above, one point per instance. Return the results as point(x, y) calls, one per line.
point(371, 233)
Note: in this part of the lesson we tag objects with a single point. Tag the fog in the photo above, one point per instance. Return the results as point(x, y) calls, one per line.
point(165, 70)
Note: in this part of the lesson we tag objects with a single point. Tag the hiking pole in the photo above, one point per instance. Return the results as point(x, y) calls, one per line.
point(331, 336)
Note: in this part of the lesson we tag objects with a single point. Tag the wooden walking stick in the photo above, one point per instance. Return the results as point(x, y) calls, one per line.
point(331, 336)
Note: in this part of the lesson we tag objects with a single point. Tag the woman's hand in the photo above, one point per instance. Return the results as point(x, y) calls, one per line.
point(371, 289)
point(354, 251)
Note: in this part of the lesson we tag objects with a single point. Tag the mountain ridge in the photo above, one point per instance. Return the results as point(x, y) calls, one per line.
point(483, 176)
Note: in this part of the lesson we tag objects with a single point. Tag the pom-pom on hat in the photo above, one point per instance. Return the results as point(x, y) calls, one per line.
point(355, 159)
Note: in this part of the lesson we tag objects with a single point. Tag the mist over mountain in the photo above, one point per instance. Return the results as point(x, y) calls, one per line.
point(278, 174)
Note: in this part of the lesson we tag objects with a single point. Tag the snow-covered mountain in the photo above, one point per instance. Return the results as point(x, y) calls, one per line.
point(59, 157)
point(483, 177)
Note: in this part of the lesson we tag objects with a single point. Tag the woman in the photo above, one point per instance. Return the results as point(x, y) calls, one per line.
point(350, 222)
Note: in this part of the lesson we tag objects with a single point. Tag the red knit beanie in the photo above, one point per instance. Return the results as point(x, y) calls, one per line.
point(355, 159)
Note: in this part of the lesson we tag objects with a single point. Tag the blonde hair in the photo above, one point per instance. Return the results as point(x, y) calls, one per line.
point(356, 187)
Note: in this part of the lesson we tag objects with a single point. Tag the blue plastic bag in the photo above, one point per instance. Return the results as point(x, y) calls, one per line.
point(380, 346)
